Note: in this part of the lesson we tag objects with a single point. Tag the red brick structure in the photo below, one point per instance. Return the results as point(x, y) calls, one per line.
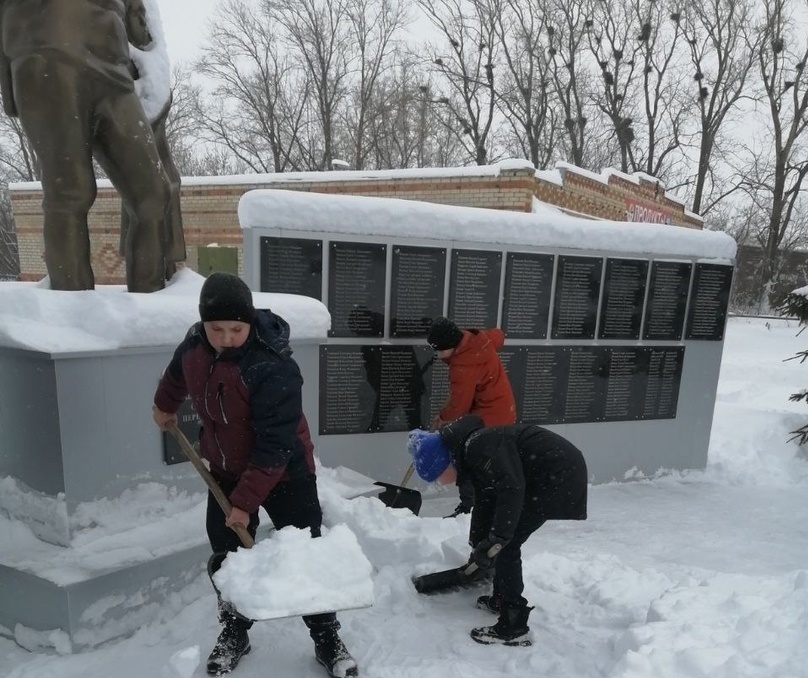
point(209, 204)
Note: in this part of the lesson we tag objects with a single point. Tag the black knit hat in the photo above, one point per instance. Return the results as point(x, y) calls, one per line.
point(443, 334)
point(225, 296)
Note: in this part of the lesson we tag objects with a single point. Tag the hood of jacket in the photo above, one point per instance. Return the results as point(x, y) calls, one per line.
point(273, 331)
point(477, 346)
point(457, 432)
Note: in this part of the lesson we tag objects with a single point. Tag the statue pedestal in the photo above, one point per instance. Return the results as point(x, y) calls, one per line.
point(77, 434)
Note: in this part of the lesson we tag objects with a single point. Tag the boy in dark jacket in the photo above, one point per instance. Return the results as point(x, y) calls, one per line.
point(523, 475)
point(478, 383)
point(237, 366)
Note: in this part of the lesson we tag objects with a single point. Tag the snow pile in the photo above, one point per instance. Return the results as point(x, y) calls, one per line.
point(292, 574)
point(57, 322)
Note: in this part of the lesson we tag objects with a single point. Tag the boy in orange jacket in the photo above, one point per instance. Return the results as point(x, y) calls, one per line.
point(478, 383)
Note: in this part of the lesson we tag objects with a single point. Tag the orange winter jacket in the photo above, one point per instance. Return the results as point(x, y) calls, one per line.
point(478, 383)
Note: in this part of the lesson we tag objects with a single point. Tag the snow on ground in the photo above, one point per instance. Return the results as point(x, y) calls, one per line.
point(679, 576)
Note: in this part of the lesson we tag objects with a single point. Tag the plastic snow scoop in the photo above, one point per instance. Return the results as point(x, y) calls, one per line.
point(399, 496)
point(189, 451)
point(216, 560)
point(455, 578)
point(294, 575)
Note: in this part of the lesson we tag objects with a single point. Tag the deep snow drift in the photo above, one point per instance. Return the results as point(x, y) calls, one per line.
point(680, 576)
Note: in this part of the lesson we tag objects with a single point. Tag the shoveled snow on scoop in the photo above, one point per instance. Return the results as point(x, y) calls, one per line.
point(292, 574)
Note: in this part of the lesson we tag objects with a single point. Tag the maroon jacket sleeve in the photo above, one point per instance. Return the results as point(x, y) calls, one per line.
point(172, 391)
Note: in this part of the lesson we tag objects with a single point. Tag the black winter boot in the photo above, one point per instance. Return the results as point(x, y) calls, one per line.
point(491, 603)
point(233, 643)
point(333, 655)
point(511, 629)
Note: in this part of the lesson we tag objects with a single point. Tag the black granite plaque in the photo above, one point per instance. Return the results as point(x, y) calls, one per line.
point(474, 287)
point(356, 286)
point(349, 389)
point(187, 422)
point(292, 266)
point(526, 302)
point(708, 303)
point(586, 384)
point(623, 299)
point(667, 300)
point(417, 289)
point(576, 297)
point(544, 384)
point(664, 375)
point(402, 389)
point(627, 368)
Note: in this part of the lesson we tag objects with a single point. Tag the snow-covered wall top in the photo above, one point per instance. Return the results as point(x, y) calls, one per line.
point(33, 317)
point(387, 217)
point(553, 176)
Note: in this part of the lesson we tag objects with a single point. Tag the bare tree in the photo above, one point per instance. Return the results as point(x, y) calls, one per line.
point(523, 91)
point(665, 111)
point(317, 33)
point(465, 67)
point(774, 176)
point(617, 55)
point(18, 162)
point(406, 128)
point(572, 84)
point(375, 26)
point(722, 53)
point(258, 100)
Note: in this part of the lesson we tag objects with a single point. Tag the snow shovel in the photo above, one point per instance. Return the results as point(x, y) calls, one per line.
point(216, 560)
point(399, 496)
point(455, 578)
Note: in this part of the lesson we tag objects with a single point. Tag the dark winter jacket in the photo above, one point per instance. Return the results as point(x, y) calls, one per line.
point(508, 463)
point(249, 401)
point(478, 383)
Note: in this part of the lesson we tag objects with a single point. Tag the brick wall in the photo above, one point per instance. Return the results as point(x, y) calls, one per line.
point(210, 209)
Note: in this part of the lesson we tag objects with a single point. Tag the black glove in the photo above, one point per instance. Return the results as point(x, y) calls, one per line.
point(486, 551)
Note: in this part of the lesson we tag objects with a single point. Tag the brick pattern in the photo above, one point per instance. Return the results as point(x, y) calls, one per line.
point(210, 211)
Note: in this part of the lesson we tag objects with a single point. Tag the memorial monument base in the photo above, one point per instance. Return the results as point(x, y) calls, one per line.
point(77, 433)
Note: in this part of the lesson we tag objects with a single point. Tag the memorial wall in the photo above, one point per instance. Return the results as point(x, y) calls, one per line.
point(590, 339)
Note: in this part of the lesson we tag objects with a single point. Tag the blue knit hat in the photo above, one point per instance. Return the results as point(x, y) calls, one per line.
point(430, 455)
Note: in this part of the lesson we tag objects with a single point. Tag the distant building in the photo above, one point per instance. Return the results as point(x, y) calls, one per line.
point(213, 236)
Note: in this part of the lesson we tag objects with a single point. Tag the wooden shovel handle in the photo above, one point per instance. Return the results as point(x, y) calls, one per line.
point(408, 475)
point(189, 451)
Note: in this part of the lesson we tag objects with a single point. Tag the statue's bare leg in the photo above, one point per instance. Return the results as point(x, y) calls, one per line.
point(56, 118)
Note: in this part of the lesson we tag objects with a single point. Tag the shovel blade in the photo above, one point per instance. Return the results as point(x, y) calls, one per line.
point(449, 580)
point(396, 496)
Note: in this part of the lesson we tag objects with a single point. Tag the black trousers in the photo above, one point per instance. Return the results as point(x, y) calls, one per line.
point(291, 503)
point(508, 581)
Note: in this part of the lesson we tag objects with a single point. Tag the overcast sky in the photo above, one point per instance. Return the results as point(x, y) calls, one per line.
point(185, 26)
